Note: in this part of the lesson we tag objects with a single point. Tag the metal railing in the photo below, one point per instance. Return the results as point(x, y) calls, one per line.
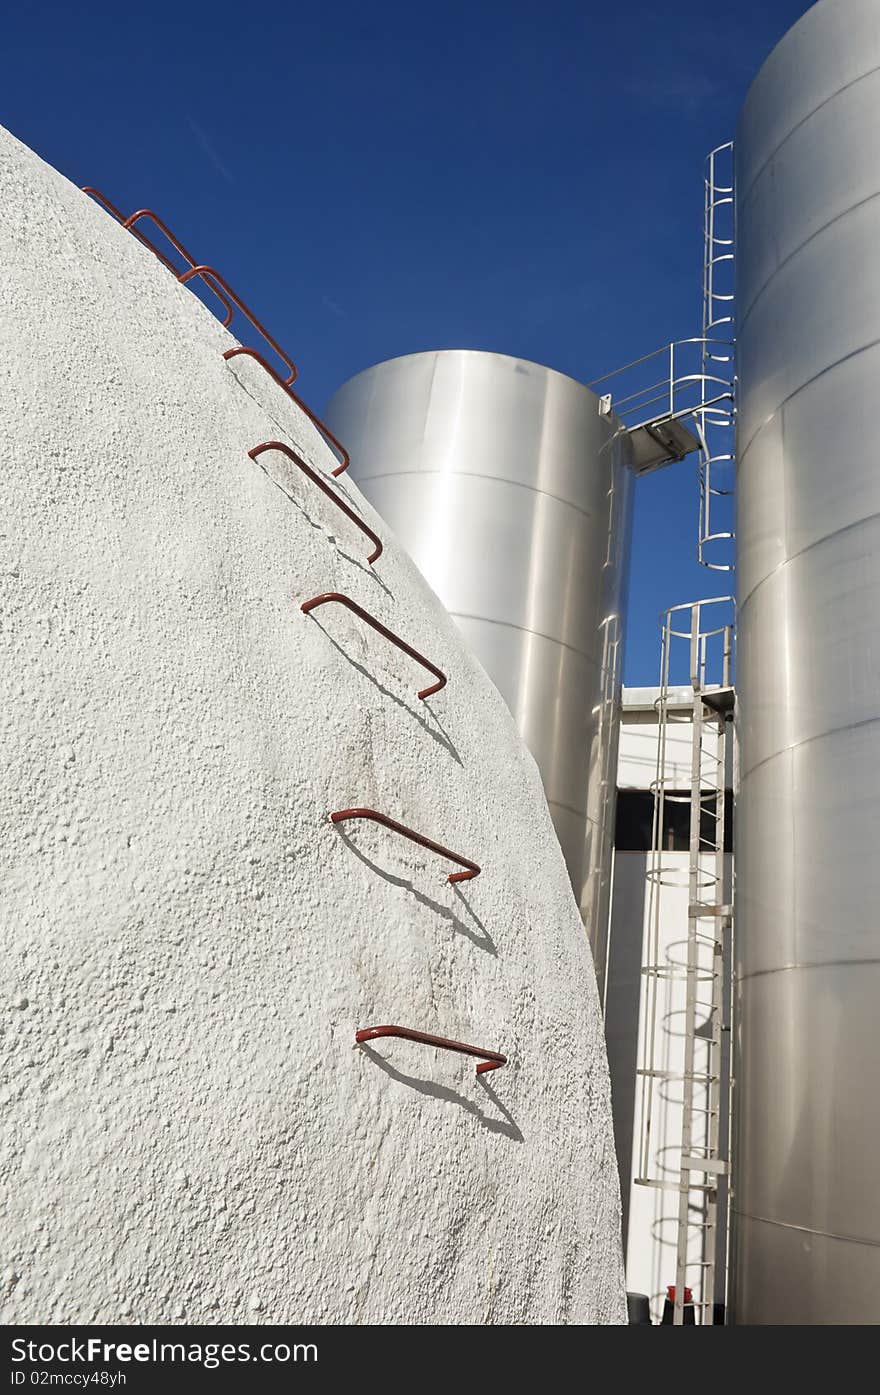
point(681, 379)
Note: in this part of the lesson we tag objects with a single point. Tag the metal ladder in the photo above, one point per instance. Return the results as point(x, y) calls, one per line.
point(709, 924)
point(695, 1059)
point(715, 417)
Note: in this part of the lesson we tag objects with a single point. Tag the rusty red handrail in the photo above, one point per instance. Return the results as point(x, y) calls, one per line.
point(211, 277)
point(313, 417)
point(493, 1060)
point(472, 869)
point(324, 487)
point(308, 606)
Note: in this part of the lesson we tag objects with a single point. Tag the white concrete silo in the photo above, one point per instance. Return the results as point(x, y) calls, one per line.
point(190, 943)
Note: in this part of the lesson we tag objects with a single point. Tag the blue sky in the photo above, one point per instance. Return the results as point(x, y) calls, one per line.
point(376, 180)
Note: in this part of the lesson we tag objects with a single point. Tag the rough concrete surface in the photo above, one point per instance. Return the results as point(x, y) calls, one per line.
point(191, 1133)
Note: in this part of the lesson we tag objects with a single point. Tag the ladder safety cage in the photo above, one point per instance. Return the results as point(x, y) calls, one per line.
point(684, 1072)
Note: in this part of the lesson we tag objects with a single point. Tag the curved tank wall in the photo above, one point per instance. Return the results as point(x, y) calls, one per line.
point(511, 493)
point(808, 876)
point(189, 943)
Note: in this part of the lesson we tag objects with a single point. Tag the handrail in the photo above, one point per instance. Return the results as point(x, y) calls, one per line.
point(666, 624)
point(472, 869)
point(313, 417)
point(492, 1060)
point(655, 353)
point(324, 488)
point(308, 606)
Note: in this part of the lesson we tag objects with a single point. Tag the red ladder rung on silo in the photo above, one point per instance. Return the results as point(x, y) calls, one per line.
point(492, 1060)
point(129, 225)
point(208, 274)
point(325, 488)
point(471, 868)
point(325, 431)
point(308, 606)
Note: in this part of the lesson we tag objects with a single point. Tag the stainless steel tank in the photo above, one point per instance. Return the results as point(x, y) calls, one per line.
point(807, 1181)
point(511, 492)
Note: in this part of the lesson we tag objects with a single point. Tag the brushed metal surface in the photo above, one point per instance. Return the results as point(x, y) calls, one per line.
point(821, 1098)
point(804, 670)
point(514, 497)
point(770, 1253)
point(807, 1202)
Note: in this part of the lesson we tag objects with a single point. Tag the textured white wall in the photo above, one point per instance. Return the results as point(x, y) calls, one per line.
point(191, 1132)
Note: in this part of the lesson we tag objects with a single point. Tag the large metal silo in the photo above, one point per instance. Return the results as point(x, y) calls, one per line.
point(508, 485)
point(807, 1186)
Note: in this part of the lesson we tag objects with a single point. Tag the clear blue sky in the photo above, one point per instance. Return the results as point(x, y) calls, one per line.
point(379, 179)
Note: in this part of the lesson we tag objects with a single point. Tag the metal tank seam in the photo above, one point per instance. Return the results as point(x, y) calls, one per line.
point(808, 741)
point(473, 475)
point(558, 804)
point(803, 121)
point(853, 208)
point(525, 630)
point(810, 964)
point(829, 368)
point(802, 552)
point(809, 1230)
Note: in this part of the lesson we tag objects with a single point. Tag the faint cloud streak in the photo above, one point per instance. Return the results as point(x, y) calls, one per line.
point(332, 305)
point(207, 147)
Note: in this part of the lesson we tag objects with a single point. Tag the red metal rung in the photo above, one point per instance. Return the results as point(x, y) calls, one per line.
point(325, 431)
point(324, 487)
point(492, 1060)
point(472, 869)
point(105, 203)
point(130, 224)
point(212, 278)
point(210, 275)
point(308, 606)
point(230, 302)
